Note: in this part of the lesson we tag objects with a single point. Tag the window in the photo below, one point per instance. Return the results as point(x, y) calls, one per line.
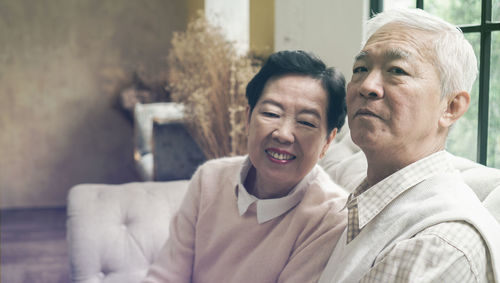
point(476, 135)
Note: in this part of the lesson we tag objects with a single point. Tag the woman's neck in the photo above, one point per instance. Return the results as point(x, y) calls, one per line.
point(262, 191)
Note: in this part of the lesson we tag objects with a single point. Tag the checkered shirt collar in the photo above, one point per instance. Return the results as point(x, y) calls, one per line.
point(373, 200)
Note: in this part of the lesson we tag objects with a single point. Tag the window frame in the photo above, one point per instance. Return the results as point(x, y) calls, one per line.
point(485, 29)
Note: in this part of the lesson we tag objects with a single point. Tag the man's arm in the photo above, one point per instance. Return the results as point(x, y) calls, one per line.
point(446, 252)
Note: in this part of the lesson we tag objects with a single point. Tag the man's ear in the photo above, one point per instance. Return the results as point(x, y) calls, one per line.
point(456, 107)
point(329, 140)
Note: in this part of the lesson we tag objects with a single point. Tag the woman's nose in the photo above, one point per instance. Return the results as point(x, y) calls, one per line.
point(372, 86)
point(284, 132)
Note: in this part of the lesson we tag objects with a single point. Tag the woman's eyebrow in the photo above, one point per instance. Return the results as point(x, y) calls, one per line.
point(272, 102)
point(311, 111)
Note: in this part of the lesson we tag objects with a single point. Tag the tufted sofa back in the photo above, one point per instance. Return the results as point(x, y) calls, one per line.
point(114, 232)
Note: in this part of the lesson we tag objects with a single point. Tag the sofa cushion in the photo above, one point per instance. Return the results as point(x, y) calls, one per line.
point(116, 231)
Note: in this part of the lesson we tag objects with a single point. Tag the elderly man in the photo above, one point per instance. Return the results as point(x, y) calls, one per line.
point(412, 219)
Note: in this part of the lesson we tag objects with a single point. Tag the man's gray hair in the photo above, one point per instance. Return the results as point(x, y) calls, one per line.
point(454, 56)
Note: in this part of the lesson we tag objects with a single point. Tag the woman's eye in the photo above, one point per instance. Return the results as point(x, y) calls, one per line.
point(270, 114)
point(359, 69)
point(305, 123)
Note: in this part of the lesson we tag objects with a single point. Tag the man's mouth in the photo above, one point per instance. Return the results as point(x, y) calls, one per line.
point(280, 155)
point(366, 112)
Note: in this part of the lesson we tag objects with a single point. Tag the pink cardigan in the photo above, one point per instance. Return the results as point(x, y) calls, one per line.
point(210, 242)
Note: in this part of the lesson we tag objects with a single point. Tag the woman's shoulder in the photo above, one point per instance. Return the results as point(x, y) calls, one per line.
point(214, 179)
point(220, 168)
point(223, 163)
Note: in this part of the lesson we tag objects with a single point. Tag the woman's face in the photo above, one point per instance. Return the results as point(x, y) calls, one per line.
point(287, 131)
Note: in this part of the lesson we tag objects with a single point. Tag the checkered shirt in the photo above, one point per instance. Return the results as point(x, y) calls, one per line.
point(446, 252)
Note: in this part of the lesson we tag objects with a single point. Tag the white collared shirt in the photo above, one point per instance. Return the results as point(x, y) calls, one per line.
point(268, 209)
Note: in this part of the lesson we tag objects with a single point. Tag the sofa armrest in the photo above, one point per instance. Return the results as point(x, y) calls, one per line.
point(115, 232)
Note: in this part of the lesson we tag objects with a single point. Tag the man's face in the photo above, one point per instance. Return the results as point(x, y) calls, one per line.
point(393, 98)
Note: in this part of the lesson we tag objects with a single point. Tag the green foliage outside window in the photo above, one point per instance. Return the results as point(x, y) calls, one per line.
point(496, 11)
point(494, 111)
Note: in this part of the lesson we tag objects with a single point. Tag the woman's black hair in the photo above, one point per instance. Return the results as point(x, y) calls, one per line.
point(303, 63)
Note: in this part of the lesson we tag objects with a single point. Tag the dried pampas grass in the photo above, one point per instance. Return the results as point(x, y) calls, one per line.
point(206, 74)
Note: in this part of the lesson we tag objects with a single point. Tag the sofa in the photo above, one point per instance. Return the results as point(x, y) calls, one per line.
point(115, 232)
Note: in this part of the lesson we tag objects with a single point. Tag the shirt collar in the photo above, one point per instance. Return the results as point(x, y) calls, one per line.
point(268, 209)
point(376, 198)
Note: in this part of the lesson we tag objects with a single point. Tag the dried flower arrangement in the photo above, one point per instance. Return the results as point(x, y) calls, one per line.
point(206, 74)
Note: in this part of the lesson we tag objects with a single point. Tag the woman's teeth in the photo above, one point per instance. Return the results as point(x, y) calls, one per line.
point(280, 156)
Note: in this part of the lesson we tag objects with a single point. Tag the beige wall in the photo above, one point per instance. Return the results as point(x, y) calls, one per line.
point(61, 63)
point(193, 6)
point(262, 27)
point(330, 28)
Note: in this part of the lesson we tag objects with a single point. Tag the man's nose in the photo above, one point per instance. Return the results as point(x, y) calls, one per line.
point(372, 85)
point(284, 132)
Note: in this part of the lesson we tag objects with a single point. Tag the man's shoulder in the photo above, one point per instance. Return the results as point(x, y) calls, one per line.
point(446, 252)
point(460, 235)
point(459, 239)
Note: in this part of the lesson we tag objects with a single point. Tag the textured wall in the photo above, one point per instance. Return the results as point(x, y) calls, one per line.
point(233, 16)
point(332, 29)
point(262, 27)
point(61, 63)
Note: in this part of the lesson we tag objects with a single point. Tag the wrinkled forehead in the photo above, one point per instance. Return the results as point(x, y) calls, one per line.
point(401, 42)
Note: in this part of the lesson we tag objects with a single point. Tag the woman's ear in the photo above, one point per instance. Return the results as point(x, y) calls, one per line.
point(457, 105)
point(247, 121)
point(329, 140)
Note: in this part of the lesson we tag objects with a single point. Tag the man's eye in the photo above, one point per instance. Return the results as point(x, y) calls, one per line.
point(397, 71)
point(359, 70)
point(305, 123)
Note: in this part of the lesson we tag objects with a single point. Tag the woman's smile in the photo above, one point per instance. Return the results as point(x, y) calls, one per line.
point(279, 156)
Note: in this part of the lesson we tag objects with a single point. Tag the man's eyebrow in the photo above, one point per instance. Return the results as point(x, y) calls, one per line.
point(360, 56)
point(397, 53)
point(392, 53)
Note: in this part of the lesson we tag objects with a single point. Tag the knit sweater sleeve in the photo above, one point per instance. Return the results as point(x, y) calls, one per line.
point(307, 263)
point(325, 222)
point(175, 261)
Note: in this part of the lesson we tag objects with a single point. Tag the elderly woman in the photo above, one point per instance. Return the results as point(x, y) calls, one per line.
point(274, 215)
